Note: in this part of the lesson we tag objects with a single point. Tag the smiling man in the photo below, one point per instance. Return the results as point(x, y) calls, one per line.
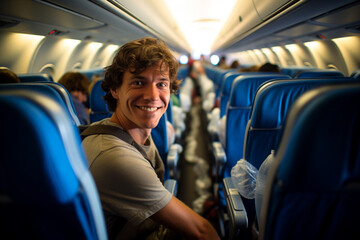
point(138, 85)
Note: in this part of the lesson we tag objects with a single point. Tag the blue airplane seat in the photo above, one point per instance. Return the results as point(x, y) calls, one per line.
point(210, 71)
point(65, 95)
point(168, 153)
point(312, 189)
point(220, 78)
point(270, 109)
point(241, 100)
point(169, 112)
point(183, 72)
point(225, 92)
point(356, 74)
point(242, 94)
point(159, 136)
point(51, 89)
point(35, 77)
point(263, 131)
point(98, 106)
point(227, 83)
point(47, 191)
point(293, 70)
point(319, 73)
point(91, 72)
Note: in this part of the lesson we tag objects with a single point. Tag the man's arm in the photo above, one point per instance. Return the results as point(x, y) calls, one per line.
point(181, 219)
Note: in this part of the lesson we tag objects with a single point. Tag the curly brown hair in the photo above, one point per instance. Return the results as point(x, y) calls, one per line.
point(75, 81)
point(137, 56)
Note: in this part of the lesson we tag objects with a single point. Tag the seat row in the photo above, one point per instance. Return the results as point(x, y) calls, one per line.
point(255, 112)
point(312, 187)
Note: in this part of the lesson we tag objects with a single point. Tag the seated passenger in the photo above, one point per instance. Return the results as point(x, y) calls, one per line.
point(77, 85)
point(7, 76)
point(268, 67)
point(235, 64)
point(138, 85)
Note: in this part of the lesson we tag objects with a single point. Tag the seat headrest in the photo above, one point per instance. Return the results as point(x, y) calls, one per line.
point(36, 162)
point(245, 87)
point(97, 103)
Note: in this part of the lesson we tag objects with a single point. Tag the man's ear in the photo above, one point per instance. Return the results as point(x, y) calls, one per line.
point(114, 93)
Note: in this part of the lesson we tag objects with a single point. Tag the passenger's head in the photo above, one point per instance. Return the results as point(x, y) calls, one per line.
point(7, 76)
point(135, 57)
point(268, 67)
point(77, 84)
point(235, 64)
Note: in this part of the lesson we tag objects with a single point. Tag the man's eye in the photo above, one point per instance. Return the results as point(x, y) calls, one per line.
point(137, 83)
point(163, 84)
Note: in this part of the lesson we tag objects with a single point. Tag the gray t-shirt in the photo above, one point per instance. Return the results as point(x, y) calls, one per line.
point(127, 183)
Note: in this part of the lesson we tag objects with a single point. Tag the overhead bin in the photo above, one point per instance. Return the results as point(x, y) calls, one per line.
point(52, 14)
point(278, 16)
point(345, 16)
point(243, 17)
point(246, 16)
point(265, 9)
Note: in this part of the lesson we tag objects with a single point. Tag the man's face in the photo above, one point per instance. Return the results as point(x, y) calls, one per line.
point(143, 98)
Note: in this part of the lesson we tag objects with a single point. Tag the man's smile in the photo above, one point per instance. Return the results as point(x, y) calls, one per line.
point(148, 109)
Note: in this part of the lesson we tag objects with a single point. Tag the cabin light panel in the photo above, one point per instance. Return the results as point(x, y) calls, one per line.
point(200, 20)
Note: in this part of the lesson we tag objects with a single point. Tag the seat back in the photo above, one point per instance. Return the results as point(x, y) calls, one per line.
point(91, 72)
point(229, 79)
point(159, 136)
point(54, 90)
point(319, 73)
point(312, 189)
point(356, 74)
point(271, 105)
point(47, 191)
point(35, 77)
point(98, 106)
point(292, 71)
point(240, 103)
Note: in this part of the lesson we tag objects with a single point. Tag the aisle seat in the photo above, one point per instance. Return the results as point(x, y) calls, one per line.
point(271, 105)
point(293, 70)
point(241, 99)
point(54, 90)
point(90, 73)
point(314, 181)
point(319, 73)
point(35, 77)
point(47, 191)
point(98, 106)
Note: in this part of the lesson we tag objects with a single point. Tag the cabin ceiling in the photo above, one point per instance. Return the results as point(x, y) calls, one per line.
point(249, 23)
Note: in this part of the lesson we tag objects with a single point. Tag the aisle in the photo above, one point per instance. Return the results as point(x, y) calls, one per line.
point(195, 186)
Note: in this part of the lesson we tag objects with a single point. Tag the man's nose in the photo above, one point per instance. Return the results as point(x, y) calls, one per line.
point(151, 92)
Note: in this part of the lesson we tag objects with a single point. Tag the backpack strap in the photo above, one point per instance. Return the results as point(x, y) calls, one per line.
point(87, 130)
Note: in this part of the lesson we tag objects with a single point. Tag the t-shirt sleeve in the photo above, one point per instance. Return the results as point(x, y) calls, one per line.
point(127, 183)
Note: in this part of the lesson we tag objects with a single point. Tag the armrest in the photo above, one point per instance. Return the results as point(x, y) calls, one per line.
point(173, 158)
point(220, 159)
point(235, 208)
point(171, 186)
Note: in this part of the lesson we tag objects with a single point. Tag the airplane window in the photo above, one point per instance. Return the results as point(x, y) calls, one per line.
point(48, 69)
point(77, 66)
point(332, 66)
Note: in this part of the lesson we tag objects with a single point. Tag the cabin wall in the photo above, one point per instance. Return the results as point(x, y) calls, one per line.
point(24, 53)
point(341, 54)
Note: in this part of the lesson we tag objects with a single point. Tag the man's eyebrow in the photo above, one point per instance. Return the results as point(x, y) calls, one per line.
point(165, 79)
point(138, 77)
